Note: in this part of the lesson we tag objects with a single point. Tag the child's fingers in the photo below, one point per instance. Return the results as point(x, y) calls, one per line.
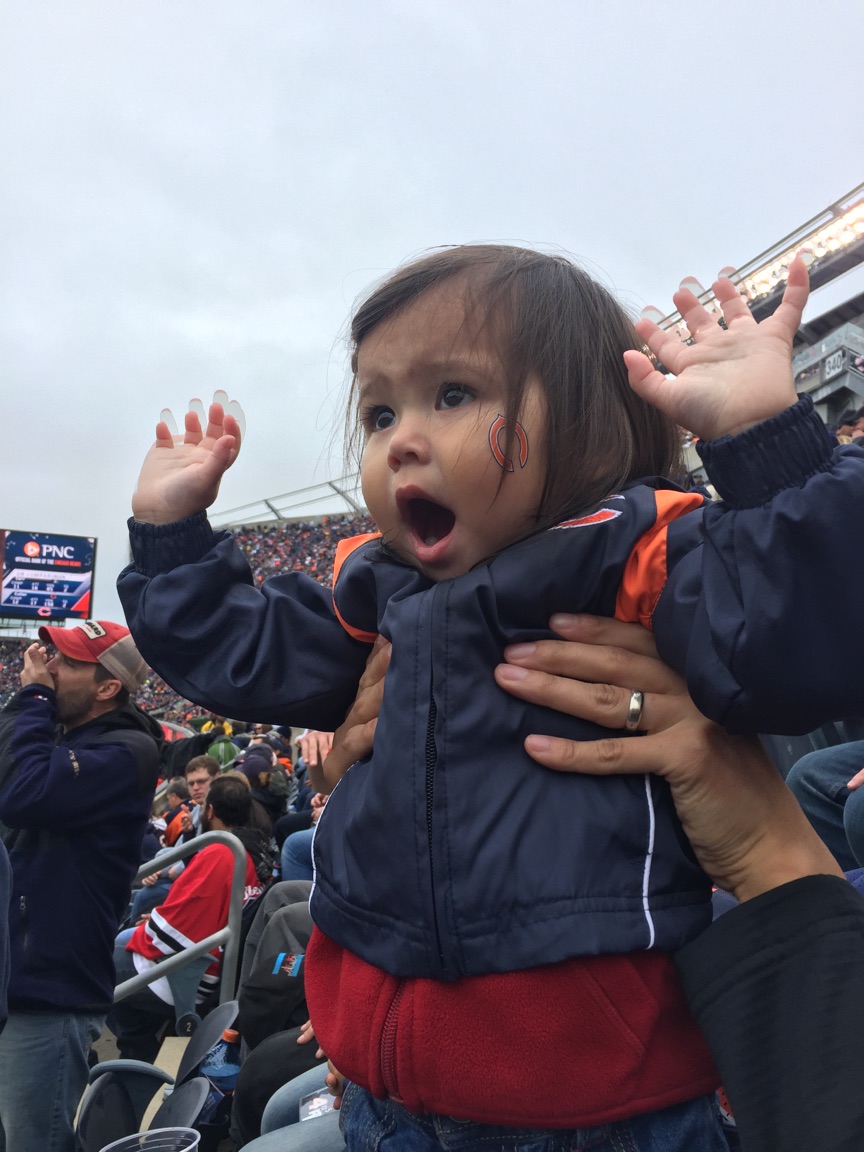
point(224, 432)
point(197, 407)
point(788, 315)
point(233, 409)
point(193, 434)
point(731, 301)
point(233, 428)
point(164, 435)
point(698, 319)
point(215, 421)
point(665, 344)
point(644, 378)
point(166, 417)
point(215, 463)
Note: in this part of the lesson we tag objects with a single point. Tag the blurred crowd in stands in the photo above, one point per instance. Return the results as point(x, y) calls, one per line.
point(305, 546)
point(302, 546)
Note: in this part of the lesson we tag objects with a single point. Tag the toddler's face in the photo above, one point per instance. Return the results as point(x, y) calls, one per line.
point(431, 390)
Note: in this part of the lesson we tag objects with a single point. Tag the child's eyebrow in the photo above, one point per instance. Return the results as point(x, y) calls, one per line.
point(364, 389)
point(446, 367)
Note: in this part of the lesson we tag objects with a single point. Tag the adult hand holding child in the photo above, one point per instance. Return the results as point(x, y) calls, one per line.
point(743, 823)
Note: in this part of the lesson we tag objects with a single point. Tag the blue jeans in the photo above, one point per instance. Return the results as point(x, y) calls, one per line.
point(43, 1074)
point(280, 1127)
point(371, 1125)
point(818, 781)
point(297, 856)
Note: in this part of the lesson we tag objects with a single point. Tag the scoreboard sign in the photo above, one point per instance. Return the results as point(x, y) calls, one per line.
point(45, 576)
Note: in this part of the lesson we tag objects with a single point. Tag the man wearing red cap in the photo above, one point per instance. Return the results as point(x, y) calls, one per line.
point(74, 803)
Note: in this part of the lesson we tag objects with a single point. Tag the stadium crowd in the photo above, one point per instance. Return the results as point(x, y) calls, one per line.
point(303, 545)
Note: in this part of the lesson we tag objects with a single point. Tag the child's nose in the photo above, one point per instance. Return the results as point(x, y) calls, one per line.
point(409, 442)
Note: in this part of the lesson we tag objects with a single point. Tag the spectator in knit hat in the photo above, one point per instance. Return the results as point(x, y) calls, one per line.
point(257, 766)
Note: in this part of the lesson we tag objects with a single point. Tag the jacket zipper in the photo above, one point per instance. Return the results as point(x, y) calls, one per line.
point(388, 1044)
point(431, 761)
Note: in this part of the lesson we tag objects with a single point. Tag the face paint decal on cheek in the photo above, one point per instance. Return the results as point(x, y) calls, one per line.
point(499, 425)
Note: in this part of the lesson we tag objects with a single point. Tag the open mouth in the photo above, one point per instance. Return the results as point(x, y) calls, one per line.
point(428, 521)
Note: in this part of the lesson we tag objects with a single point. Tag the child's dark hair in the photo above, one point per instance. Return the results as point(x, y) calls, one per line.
point(551, 321)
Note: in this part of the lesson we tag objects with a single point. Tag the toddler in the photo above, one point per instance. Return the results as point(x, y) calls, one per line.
point(492, 960)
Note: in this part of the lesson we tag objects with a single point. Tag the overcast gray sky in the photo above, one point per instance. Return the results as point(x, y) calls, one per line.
point(193, 194)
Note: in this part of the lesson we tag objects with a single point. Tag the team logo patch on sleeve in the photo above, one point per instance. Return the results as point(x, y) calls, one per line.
point(601, 516)
point(288, 962)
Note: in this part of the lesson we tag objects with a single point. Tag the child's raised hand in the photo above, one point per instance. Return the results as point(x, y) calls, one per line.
point(181, 474)
point(728, 379)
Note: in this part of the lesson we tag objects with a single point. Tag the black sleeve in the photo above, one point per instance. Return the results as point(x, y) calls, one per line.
point(776, 986)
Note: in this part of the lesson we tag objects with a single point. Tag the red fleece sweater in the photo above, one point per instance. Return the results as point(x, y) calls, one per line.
point(572, 1045)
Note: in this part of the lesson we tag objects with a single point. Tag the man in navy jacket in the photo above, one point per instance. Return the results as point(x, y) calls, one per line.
point(74, 803)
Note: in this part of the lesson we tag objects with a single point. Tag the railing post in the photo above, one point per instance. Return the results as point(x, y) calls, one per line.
point(229, 935)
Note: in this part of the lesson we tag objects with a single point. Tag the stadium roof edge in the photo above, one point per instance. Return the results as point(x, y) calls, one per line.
point(341, 497)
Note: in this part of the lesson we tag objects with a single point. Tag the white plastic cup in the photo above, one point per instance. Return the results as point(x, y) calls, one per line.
point(157, 1140)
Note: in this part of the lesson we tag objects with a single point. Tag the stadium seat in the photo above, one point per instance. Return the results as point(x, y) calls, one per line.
point(203, 1039)
point(184, 988)
point(115, 1102)
point(182, 1108)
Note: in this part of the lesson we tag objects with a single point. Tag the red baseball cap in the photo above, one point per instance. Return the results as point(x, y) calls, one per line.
point(101, 642)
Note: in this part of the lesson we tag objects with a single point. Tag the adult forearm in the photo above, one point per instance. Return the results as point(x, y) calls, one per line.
point(775, 987)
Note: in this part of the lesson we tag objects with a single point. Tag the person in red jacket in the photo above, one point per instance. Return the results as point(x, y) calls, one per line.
point(196, 907)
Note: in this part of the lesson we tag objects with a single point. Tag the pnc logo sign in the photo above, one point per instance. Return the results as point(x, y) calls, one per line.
point(31, 548)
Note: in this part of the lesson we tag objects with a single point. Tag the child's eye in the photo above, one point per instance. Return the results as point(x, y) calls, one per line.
point(378, 417)
point(454, 396)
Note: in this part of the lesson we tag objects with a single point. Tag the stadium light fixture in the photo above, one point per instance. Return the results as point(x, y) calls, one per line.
point(831, 243)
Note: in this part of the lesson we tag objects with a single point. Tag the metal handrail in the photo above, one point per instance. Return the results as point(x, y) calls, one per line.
point(229, 935)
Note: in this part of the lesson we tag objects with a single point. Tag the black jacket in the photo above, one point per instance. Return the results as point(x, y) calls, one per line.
point(776, 986)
